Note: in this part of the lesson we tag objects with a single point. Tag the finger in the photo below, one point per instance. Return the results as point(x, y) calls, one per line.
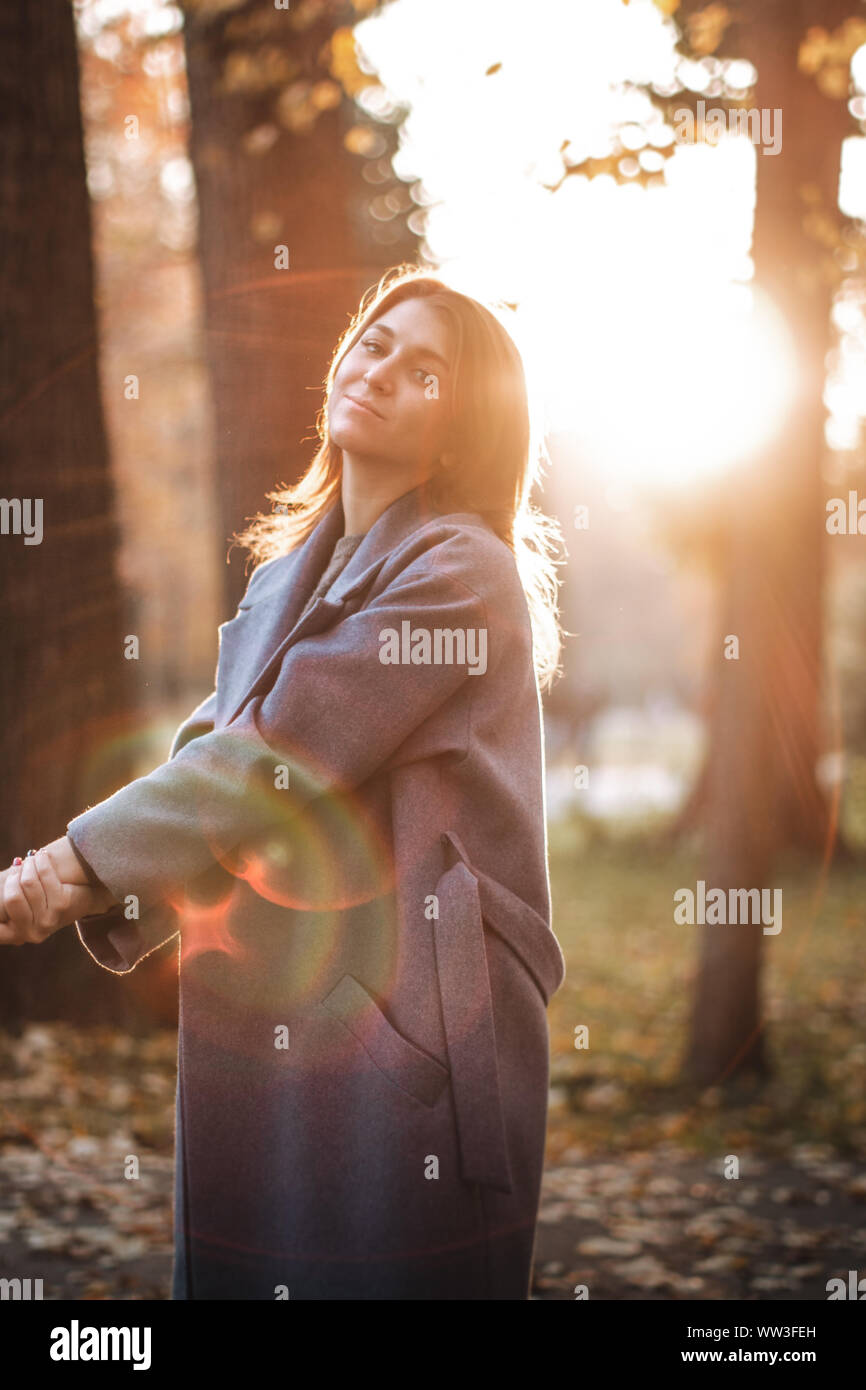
point(31, 885)
point(34, 909)
point(8, 934)
point(66, 901)
point(60, 900)
point(55, 890)
point(31, 882)
point(13, 901)
point(17, 906)
point(41, 922)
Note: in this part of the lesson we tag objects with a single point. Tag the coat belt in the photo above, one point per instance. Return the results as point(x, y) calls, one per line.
point(520, 926)
point(467, 1010)
point(470, 900)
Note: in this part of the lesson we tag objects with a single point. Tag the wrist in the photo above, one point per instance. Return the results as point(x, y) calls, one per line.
point(103, 899)
point(66, 863)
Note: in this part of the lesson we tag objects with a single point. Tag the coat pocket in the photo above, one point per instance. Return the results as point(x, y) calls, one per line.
point(524, 931)
point(406, 1065)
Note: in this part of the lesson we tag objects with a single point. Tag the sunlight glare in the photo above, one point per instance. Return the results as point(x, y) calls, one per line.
point(636, 314)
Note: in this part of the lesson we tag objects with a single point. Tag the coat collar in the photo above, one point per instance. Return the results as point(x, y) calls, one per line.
point(278, 618)
point(404, 515)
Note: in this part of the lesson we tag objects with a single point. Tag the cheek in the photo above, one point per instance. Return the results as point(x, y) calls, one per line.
point(426, 417)
point(348, 370)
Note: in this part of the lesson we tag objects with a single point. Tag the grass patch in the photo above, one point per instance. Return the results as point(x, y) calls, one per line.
point(630, 974)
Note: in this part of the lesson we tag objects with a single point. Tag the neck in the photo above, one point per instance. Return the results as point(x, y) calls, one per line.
point(368, 492)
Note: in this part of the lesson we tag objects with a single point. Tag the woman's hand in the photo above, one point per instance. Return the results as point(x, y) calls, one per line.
point(48, 891)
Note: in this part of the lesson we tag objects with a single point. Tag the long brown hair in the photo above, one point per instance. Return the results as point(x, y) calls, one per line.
point(496, 437)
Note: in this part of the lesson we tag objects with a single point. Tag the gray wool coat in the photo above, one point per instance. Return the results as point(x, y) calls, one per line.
point(349, 841)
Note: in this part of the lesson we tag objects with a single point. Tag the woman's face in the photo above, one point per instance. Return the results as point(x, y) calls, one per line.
point(389, 399)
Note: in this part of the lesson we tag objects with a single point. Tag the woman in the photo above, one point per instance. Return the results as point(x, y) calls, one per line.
point(349, 838)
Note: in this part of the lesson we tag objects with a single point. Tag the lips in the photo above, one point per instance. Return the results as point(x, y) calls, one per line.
point(362, 405)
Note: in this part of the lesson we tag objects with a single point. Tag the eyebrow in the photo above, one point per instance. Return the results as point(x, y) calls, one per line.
point(416, 352)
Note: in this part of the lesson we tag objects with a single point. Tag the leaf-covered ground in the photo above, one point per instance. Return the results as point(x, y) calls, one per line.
point(635, 1202)
point(75, 1104)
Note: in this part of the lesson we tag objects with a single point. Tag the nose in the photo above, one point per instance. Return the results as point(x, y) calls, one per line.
point(378, 376)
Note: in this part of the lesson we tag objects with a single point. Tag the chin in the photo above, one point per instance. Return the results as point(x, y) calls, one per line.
point(349, 426)
point(344, 435)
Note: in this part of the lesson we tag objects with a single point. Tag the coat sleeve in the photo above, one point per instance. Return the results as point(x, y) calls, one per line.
point(113, 940)
point(335, 713)
point(88, 868)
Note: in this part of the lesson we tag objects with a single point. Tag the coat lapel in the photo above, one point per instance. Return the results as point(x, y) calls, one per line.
point(254, 642)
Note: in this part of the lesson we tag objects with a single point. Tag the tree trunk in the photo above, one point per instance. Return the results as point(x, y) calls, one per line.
point(761, 793)
point(270, 332)
point(66, 687)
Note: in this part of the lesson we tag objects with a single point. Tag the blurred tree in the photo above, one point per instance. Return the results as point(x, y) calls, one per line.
point(66, 690)
point(283, 157)
point(759, 792)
